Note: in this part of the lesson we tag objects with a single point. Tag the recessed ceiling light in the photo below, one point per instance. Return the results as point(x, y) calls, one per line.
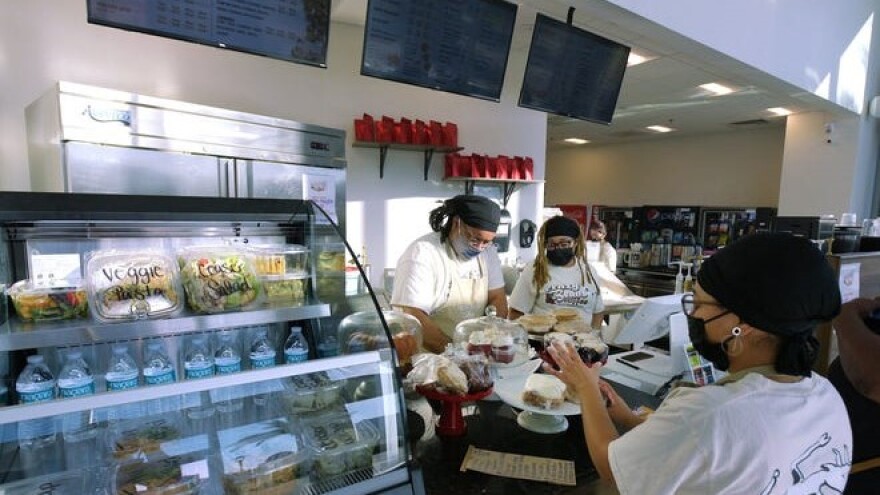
point(718, 89)
point(636, 59)
point(660, 128)
point(576, 141)
point(782, 112)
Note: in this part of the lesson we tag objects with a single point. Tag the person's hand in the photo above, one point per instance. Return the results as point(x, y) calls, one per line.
point(618, 409)
point(572, 370)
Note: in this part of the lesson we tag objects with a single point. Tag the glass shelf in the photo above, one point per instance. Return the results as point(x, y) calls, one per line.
point(17, 334)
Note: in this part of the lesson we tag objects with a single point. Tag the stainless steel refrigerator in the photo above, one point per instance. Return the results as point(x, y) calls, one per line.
point(88, 139)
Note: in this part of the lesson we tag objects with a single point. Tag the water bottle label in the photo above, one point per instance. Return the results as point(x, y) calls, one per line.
point(226, 368)
point(69, 392)
point(262, 361)
point(113, 385)
point(159, 378)
point(296, 356)
point(203, 372)
point(39, 396)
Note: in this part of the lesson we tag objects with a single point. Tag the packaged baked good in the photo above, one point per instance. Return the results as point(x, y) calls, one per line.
point(544, 391)
point(266, 457)
point(566, 313)
point(41, 302)
point(340, 446)
point(310, 392)
point(451, 379)
point(162, 476)
point(576, 325)
point(282, 259)
point(537, 323)
point(591, 348)
point(126, 285)
point(220, 278)
point(363, 331)
point(476, 369)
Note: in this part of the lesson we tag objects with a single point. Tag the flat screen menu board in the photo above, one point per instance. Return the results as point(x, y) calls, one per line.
point(292, 30)
point(572, 72)
point(459, 46)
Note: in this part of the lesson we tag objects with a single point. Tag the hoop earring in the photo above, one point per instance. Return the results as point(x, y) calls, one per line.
point(736, 347)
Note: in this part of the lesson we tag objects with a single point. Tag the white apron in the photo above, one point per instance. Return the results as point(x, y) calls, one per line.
point(467, 296)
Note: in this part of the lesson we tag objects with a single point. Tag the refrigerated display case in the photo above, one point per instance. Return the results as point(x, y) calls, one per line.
point(621, 223)
point(230, 412)
point(721, 226)
point(668, 233)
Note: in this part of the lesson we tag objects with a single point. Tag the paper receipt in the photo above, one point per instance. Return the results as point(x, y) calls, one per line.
point(524, 467)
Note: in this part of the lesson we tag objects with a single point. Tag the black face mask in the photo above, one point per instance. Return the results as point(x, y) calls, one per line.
point(560, 256)
point(714, 353)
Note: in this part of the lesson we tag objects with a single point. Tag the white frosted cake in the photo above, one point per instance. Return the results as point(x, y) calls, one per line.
point(544, 391)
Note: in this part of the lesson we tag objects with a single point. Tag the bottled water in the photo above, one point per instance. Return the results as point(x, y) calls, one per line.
point(198, 362)
point(122, 372)
point(296, 349)
point(157, 365)
point(227, 357)
point(75, 379)
point(262, 353)
point(35, 384)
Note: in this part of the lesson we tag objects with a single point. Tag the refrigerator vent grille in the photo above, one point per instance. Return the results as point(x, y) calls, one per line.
point(339, 483)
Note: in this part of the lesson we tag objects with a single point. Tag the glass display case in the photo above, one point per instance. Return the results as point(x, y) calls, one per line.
point(185, 377)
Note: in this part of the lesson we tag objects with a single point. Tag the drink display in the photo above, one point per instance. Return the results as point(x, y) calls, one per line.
point(198, 362)
point(262, 353)
point(296, 349)
point(227, 357)
point(122, 371)
point(35, 384)
point(158, 369)
point(75, 378)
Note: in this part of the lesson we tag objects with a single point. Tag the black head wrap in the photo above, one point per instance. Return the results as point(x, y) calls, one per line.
point(478, 212)
point(560, 225)
point(780, 284)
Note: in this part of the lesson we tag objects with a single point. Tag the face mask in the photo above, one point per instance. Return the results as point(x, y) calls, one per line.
point(560, 256)
point(464, 248)
point(714, 353)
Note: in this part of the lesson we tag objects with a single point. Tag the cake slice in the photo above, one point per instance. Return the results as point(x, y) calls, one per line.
point(544, 391)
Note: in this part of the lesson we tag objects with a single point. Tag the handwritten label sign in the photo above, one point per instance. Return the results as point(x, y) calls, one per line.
point(524, 467)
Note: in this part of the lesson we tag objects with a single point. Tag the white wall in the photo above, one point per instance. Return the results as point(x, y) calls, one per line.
point(42, 41)
point(739, 168)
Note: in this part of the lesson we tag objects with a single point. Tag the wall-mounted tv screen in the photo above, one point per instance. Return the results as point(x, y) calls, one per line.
point(572, 72)
point(459, 46)
point(291, 30)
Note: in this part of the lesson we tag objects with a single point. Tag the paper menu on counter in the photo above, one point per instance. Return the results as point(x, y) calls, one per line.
point(517, 466)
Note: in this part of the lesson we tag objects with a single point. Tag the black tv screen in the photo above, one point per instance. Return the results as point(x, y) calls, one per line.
point(459, 46)
point(291, 30)
point(572, 72)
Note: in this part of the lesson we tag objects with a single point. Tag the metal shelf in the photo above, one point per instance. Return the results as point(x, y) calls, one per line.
point(428, 149)
point(17, 334)
point(509, 185)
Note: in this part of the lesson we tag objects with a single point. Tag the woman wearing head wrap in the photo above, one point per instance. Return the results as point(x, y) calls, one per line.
point(771, 426)
point(559, 275)
point(453, 273)
point(604, 251)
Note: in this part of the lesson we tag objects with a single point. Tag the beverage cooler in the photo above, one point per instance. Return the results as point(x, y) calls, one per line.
point(621, 223)
point(668, 233)
point(161, 344)
point(721, 226)
point(87, 139)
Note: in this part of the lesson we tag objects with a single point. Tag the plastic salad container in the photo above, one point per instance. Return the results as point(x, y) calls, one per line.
point(219, 278)
point(38, 302)
point(264, 458)
point(284, 259)
point(130, 285)
point(340, 446)
point(363, 331)
point(289, 289)
point(137, 439)
point(158, 477)
point(310, 392)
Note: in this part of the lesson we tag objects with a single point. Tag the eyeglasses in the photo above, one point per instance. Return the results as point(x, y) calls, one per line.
point(472, 239)
point(560, 245)
point(689, 305)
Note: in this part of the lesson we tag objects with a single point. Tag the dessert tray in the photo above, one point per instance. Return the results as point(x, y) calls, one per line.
point(536, 419)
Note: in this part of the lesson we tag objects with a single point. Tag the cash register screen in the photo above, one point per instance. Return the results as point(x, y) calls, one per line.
point(649, 322)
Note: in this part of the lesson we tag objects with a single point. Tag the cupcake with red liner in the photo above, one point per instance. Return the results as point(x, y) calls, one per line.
point(503, 350)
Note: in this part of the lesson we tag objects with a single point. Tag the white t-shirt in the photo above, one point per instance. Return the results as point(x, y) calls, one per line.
point(566, 287)
point(752, 436)
point(421, 281)
point(603, 252)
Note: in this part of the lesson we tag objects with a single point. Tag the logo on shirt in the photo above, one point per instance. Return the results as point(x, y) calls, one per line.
point(832, 474)
point(568, 295)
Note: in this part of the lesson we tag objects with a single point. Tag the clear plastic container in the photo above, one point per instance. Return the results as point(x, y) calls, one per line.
point(504, 342)
point(157, 477)
point(143, 438)
point(330, 272)
point(37, 302)
point(220, 278)
point(288, 289)
point(340, 446)
point(130, 285)
point(285, 259)
point(363, 331)
point(310, 392)
point(266, 457)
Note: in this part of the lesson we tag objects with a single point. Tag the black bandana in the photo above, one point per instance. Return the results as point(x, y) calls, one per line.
point(560, 225)
point(775, 282)
point(478, 212)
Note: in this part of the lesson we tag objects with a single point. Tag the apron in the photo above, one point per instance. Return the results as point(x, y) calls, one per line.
point(466, 296)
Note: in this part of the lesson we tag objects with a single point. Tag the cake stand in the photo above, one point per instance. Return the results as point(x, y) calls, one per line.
point(451, 422)
point(530, 417)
